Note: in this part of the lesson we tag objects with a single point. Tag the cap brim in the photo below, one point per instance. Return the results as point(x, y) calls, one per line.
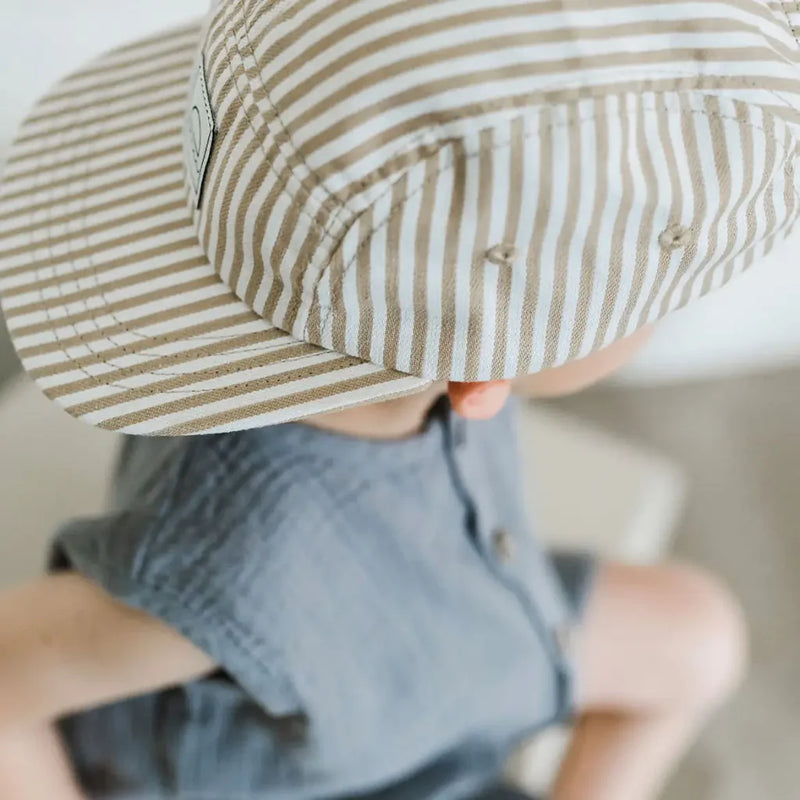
point(112, 305)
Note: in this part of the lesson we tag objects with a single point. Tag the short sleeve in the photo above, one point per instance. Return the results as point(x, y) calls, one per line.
point(174, 561)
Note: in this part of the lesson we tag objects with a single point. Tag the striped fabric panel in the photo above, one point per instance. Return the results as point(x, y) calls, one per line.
point(331, 113)
point(461, 189)
point(790, 10)
point(112, 303)
point(608, 229)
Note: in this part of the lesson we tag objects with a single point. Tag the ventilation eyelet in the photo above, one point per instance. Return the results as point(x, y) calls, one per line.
point(675, 237)
point(503, 255)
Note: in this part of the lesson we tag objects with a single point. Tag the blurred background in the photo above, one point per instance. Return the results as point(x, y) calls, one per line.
point(714, 399)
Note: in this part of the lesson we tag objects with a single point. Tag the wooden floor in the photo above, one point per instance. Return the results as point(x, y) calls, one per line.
point(739, 441)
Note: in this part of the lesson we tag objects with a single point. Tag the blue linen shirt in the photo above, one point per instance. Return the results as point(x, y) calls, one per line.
point(384, 621)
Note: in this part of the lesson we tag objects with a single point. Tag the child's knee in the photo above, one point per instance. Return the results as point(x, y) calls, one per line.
point(712, 635)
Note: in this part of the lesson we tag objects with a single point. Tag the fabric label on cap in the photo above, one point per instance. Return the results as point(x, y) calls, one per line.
point(198, 132)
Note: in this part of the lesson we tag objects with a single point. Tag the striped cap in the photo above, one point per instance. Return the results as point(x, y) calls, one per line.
point(298, 206)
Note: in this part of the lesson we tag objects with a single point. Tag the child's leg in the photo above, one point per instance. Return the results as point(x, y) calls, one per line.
point(660, 649)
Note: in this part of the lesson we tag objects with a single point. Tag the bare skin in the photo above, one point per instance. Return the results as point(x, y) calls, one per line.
point(661, 646)
point(403, 417)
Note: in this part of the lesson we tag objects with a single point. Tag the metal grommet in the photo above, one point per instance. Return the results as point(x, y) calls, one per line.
point(503, 255)
point(675, 237)
point(504, 545)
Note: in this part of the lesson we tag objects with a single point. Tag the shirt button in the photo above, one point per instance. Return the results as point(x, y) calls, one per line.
point(504, 545)
point(565, 638)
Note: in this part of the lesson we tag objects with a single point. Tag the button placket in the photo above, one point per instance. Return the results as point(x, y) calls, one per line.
point(512, 563)
point(500, 540)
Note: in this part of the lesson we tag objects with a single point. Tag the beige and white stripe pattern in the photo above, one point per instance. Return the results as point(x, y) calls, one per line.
point(113, 306)
point(461, 189)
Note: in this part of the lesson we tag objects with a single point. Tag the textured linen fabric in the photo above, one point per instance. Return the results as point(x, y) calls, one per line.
point(385, 624)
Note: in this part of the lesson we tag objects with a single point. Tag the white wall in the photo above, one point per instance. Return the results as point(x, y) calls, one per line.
point(40, 40)
point(754, 323)
point(751, 324)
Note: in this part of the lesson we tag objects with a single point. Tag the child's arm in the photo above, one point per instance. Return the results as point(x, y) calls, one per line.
point(65, 646)
point(33, 766)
